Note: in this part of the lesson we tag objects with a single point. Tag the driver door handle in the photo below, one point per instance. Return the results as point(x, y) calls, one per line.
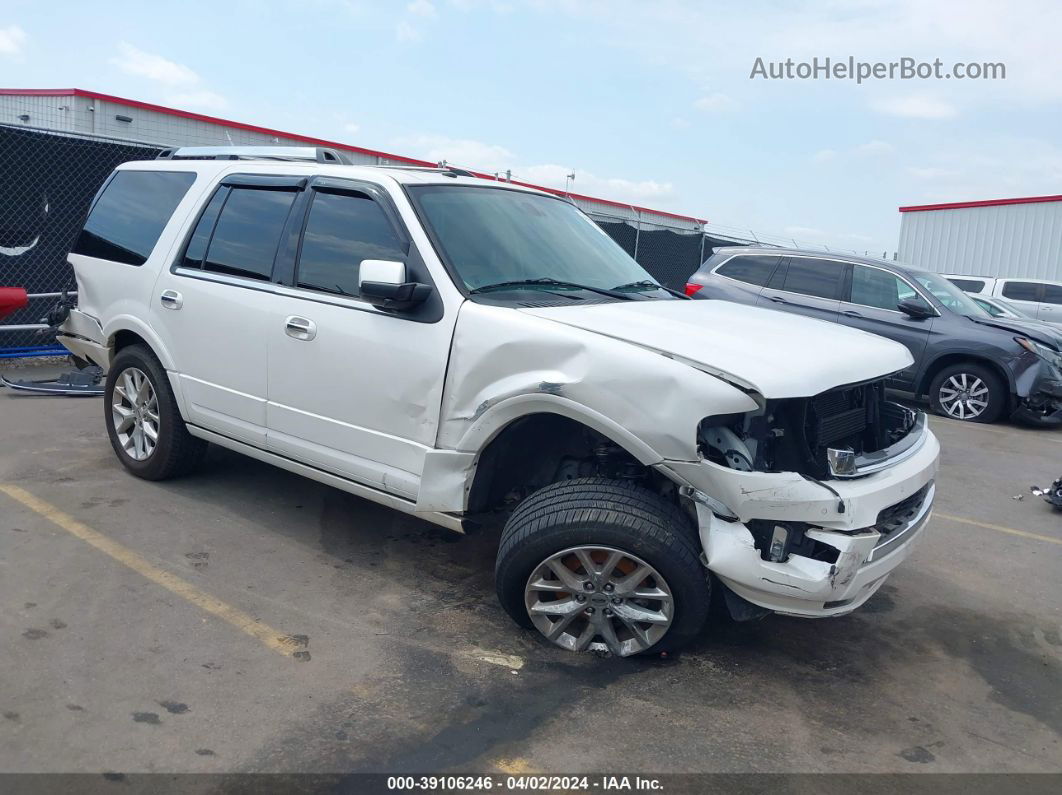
point(850, 313)
point(300, 328)
point(777, 299)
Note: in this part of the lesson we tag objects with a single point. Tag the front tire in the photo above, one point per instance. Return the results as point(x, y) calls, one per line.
point(968, 392)
point(143, 421)
point(598, 564)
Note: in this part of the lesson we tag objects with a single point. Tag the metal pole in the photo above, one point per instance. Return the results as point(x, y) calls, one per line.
point(50, 295)
point(701, 260)
point(26, 327)
point(637, 232)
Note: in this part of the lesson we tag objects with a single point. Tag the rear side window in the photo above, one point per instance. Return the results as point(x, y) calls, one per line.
point(749, 269)
point(1021, 291)
point(129, 216)
point(969, 285)
point(816, 277)
point(1052, 294)
point(342, 230)
point(246, 232)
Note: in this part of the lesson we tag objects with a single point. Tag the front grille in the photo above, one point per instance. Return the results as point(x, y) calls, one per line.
point(898, 517)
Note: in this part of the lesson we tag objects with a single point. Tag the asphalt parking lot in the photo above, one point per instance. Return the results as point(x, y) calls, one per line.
point(246, 619)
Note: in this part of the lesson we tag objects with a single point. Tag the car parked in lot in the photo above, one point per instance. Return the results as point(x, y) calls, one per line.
point(970, 365)
point(461, 349)
point(1039, 298)
point(1001, 307)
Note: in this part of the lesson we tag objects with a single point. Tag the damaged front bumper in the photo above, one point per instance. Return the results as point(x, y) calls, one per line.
point(854, 532)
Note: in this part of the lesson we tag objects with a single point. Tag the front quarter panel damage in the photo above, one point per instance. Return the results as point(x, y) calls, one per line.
point(506, 364)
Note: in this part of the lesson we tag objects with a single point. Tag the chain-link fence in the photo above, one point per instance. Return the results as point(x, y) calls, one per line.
point(47, 181)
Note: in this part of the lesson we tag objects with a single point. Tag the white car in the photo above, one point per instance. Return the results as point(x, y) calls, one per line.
point(459, 348)
point(1040, 299)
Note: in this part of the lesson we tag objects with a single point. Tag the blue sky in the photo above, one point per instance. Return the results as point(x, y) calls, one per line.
point(648, 102)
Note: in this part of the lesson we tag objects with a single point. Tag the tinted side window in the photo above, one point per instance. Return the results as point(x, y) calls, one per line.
point(752, 270)
point(969, 285)
point(1052, 294)
point(342, 230)
point(878, 288)
point(129, 216)
point(197, 245)
point(817, 277)
point(247, 232)
point(1021, 291)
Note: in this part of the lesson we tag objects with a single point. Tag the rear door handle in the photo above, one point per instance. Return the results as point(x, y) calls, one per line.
point(850, 313)
point(171, 299)
point(300, 328)
point(777, 299)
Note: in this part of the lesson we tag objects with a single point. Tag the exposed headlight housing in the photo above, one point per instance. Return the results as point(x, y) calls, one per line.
point(1049, 355)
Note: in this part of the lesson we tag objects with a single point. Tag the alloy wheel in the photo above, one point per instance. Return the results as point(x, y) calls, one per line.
point(964, 396)
point(135, 412)
point(599, 599)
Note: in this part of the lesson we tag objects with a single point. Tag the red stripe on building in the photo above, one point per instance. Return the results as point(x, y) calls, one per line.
point(917, 208)
point(184, 114)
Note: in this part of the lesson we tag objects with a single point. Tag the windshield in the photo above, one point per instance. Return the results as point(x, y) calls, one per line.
point(950, 296)
point(1014, 310)
point(490, 236)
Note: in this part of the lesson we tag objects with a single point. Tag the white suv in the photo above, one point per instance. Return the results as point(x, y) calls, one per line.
point(460, 349)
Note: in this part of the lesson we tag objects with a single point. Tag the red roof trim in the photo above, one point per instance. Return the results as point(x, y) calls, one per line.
point(915, 208)
point(132, 103)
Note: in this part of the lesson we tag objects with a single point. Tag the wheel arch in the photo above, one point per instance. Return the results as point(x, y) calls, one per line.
point(949, 359)
point(127, 330)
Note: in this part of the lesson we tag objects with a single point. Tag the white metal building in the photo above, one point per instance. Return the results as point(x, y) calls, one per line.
point(997, 238)
point(76, 110)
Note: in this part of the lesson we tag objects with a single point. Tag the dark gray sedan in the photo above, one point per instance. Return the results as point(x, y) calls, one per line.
point(970, 365)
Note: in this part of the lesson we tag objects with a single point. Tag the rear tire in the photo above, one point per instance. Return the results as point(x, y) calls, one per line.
point(604, 523)
point(143, 421)
point(968, 392)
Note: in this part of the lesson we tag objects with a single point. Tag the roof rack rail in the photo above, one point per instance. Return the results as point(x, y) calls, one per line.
point(451, 171)
point(311, 154)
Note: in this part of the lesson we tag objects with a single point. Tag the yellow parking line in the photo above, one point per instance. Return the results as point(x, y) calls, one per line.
point(277, 641)
point(998, 528)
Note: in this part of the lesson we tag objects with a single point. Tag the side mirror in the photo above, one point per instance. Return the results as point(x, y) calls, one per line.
point(383, 284)
point(916, 309)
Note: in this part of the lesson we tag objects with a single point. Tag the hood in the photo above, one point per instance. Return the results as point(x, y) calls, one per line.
point(1033, 329)
point(776, 354)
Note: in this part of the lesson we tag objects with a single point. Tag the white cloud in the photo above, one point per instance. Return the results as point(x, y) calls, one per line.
point(680, 123)
point(405, 32)
point(187, 89)
point(422, 8)
point(804, 231)
point(875, 148)
point(12, 40)
point(915, 106)
point(715, 102)
point(493, 158)
point(154, 67)
point(463, 152)
point(931, 172)
point(824, 155)
point(352, 128)
point(589, 184)
point(209, 100)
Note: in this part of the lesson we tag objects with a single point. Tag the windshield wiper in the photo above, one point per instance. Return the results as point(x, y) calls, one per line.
point(645, 284)
point(549, 282)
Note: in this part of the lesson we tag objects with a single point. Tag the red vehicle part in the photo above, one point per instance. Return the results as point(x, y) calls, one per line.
point(11, 298)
